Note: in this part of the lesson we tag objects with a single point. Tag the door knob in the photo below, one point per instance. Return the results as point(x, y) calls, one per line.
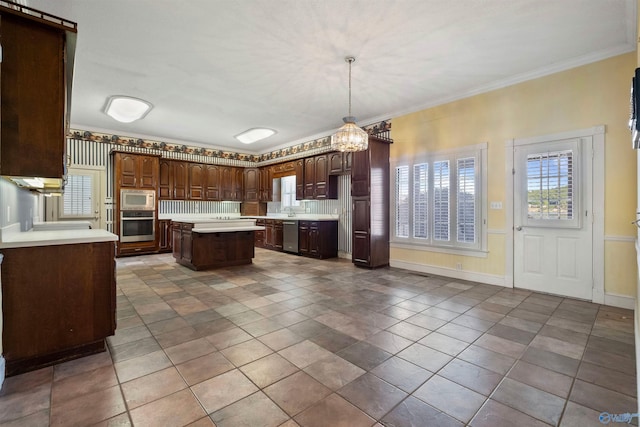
point(519, 228)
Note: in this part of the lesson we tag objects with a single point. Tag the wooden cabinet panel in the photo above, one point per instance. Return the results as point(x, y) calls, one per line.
point(212, 183)
point(127, 170)
point(346, 162)
point(180, 179)
point(238, 184)
point(318, 239)
point(299, 169)
point(309, 178)
point(226, 178)
point(52, 312)
point(33, 114)
point(252, 187)
point(273, 234)
point(370, 198)
point(196, 181)
point(335, 163)
point(259, 235)
point(164, 235)
point(266, 184)
point(165, 177)
point(136, 171)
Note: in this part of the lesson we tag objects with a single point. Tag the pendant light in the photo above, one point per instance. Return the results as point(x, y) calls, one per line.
point(349, 137)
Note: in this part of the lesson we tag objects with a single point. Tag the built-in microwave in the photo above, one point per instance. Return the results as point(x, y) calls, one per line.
point(137, 200)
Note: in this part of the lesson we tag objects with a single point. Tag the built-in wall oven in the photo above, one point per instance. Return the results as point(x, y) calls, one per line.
point(137, 215)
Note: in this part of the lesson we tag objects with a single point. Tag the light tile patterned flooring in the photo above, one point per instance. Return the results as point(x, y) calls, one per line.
point(292, 341)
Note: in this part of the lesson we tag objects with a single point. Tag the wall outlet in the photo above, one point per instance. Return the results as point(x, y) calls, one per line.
point(458, 266)
point(335, 211)
point(308, 210)
point(8, 214)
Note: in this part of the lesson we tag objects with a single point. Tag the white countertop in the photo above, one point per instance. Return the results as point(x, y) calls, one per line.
point(55, 237)
point(298, 217)
point(61, 225)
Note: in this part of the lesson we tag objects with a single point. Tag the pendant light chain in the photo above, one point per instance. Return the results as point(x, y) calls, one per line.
point(350, 61)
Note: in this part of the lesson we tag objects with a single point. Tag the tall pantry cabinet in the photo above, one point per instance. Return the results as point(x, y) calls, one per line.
point(370, 204)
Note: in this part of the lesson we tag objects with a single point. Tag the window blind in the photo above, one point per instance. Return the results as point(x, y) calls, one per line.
point(402, 201)
point(466, 201)
point(441, 200)
point(78, 196)
point(550, 192)
point(420, 200)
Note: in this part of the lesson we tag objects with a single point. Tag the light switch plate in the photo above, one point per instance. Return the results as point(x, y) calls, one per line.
point(496, 205)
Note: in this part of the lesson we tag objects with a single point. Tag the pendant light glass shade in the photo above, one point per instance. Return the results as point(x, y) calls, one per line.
point(350, 137)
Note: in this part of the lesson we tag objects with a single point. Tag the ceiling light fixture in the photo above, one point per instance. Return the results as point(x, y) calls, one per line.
point(350, 137)
point(256, 134)
point(127, 109)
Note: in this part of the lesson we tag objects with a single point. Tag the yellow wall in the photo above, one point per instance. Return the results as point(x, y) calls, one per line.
point(583, 97)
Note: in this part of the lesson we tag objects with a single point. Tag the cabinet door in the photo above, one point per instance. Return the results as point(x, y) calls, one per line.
point(360, 174)
point(32, 133)
point(212, 183)
point(268, 234)
point(187, 245)
point(196, 181)
point(322, 177)
point(165, 179)
point(299, 166)
point(126, 168)
point(303, 237)
point(176, 241)
point(238, 184)
point(180, 180)
point(226, 173)
point(361, 230)
point(148, 172)
point(165, 237)
point(314, 239)
point(346, 162)
point(277, 235)
point(309, 178)
point(251, 185)
point(336, 163)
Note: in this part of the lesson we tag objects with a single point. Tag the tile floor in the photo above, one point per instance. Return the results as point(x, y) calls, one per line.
point(290, 341)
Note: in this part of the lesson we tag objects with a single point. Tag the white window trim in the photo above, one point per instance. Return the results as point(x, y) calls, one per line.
point(479, 151)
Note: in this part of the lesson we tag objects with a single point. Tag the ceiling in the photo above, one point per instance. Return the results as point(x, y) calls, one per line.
point(215, 68)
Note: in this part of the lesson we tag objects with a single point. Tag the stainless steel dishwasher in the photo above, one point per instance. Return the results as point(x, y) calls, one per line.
point(290, 236)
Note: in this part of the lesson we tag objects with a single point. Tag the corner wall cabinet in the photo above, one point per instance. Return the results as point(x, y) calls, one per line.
point(37, 72)
point(370, 203)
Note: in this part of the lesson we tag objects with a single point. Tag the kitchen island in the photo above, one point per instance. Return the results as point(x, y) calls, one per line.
point(201, 244)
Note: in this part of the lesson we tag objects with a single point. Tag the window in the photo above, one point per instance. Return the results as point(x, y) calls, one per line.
point(438, 200)
point(77, 200)
point(288, 192)
point(550, 185)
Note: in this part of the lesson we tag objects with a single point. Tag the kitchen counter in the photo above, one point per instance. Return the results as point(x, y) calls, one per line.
point(54, 237)
point(298, 217)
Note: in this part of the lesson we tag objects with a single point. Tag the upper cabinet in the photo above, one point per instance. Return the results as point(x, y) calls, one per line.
point(340, 163)
point(252, 187)
point(232, 183)
point(136, 171)
point(35, 92)
point(318, 184)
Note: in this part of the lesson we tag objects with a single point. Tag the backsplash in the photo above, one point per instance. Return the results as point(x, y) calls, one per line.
point(197, 207)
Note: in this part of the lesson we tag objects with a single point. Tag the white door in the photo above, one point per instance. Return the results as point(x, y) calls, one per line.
point(80, 200)
point(553, 219)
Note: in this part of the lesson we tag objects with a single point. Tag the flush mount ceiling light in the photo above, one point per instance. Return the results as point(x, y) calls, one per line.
point(350, 137)
point(127, 109)
point(256, 134)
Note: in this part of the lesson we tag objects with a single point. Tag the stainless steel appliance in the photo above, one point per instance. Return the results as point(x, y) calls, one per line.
point(137, 225)
point(137, 215)
point(290, 236)
point(137, 200)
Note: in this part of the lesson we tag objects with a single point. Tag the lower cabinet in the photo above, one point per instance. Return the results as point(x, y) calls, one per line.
point(273, 234)
point(59, 308)
point(164, 235)
point(259, 235)
point(318, 239)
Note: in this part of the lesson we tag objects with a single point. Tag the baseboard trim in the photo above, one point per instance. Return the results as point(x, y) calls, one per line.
point(622, 301)
point(489, 279)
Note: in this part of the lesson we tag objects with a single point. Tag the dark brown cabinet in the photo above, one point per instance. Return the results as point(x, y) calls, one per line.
point(232, 183)
point(180, 180)
point(318, 184)
point(318, 239)
point(54, 313)
point(196, 181)
point(266, 184)
point(299, 169)
point(37, 69)
point(340, 163)
point(273, 234)
point(370, 199)
point(164, 179)
point(136, 171)
point(174, 180)
point(164, 235)
point(212, 183)
point(259, 235)
point(181, 241)
point(252, 187)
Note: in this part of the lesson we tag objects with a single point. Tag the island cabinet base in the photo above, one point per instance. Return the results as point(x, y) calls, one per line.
point(201, 251)
point(58, 303)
